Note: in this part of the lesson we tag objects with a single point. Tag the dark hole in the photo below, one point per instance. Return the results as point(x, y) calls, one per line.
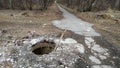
point(43, 48)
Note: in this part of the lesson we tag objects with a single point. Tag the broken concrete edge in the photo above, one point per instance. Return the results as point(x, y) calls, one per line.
point(40, 39)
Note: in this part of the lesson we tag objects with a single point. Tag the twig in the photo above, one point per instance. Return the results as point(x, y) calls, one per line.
point(60, 39)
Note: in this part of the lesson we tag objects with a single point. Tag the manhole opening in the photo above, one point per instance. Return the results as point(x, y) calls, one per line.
point(44, 47)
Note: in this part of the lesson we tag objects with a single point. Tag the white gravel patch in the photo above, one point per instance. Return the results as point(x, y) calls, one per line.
point(33, 41)
point(96, 49)
point(94, 59)
point(102, 57)
point(80, 48)
point(101, 66)
point(67, 40)
point(71, 44)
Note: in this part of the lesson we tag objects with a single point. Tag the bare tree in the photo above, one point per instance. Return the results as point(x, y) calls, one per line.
point(91, 5)
point(117, 4)
point(25, 4)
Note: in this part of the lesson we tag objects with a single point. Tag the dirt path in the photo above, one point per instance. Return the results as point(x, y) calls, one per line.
point(72, 23)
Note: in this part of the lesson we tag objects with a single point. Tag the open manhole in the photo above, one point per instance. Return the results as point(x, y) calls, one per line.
point(44, 47)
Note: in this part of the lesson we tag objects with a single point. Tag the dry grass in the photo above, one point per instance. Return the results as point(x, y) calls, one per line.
point(18, 23)
point(108, 26)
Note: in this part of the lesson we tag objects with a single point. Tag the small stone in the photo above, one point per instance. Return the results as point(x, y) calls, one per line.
point(4, 31)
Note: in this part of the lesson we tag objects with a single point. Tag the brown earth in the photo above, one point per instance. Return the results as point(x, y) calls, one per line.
point(105, 22)
point(18, 23)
